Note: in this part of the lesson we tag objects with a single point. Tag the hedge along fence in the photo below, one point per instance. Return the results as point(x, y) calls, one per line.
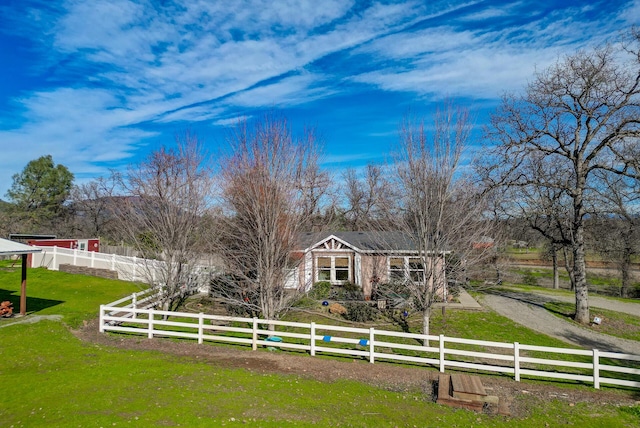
point(512, 358)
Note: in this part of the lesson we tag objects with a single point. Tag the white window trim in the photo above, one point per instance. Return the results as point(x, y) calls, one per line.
point(405, 265)
point(332, 275)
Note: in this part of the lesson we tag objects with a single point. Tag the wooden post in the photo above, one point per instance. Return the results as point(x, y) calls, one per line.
point(23, 287)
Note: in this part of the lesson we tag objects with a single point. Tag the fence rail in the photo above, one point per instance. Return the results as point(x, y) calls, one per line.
point(511, 358)
point(132, 269)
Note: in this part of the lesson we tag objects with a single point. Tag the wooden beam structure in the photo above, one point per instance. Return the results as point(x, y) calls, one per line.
point(12, 248)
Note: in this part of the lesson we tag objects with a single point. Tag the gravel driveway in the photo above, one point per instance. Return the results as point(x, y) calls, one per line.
point(527, 309)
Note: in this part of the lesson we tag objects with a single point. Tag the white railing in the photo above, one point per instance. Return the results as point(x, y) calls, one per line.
point(132, 269)
point(514, 358)
point(128, 268)
point(145, 299)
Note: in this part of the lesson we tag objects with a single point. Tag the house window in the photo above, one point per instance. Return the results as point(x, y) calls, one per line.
point(416, 269)
point(396, 268)
point(333, 268)
point(403, 268)
point(341, 268)
point(324, 268)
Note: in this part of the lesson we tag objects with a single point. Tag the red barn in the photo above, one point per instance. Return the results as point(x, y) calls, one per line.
point(80, 244)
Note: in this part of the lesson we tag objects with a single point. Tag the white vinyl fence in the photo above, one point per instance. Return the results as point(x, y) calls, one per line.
point(133, 269)
point(128, 268)
point(590, 366)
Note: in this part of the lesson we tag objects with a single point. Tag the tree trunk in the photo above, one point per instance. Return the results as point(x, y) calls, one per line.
point(626, 268)
point(569, 268)
point(426, 317)
point(556, 274)
point(580, 278)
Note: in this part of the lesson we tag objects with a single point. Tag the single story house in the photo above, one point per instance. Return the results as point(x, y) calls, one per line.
point(362, 258)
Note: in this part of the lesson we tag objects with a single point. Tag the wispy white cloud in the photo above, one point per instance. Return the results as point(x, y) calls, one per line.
point(445, 61)
point(631, 14)
point(232, 121)
point(116, 73)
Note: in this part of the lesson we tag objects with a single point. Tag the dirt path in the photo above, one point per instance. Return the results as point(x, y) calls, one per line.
point(527, 309)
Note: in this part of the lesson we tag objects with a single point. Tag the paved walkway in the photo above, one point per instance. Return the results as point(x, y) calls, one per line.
point(527, 308)
point(630, 308)
point(30, 319)
point(467, 301)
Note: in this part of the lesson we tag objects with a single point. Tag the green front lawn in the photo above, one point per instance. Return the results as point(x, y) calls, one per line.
point(75, 297)
point(613, 323)
point(51, 378)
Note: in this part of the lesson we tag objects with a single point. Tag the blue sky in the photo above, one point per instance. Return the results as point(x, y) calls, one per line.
point(98, 84)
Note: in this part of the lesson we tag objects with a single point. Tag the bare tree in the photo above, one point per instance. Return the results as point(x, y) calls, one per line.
point(443, 211)
point(163, 212)
point(316, 197)
point(546, 210)
point(580, 115)
point(265, 204)
point(92, 209)
point(617, 227)
point(369, 199)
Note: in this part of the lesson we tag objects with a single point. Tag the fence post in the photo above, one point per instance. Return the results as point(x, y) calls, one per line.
point(516, 361)
point(596, 369)
point(442, 353)
point(93, 259)
point(312, 340)
point(200, 327)
point(75, 256)
point(55, 258)
point(151, 315)
point(372, 335)
point(134, 303)
point(254, 337)
point(113, 262)
point(133, 274)
point(101, 325)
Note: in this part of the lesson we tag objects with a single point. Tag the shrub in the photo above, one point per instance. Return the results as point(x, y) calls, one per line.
point(360, 312)
point(346, 291)
point(304, 301)
point(529, 279)
point(337, 308)
point(320, 290)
